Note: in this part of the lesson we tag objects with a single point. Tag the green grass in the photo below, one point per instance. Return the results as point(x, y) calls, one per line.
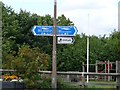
point(101, 87)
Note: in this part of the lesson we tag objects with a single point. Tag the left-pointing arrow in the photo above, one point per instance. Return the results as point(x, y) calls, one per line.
point(42, 30)
point(48, 30)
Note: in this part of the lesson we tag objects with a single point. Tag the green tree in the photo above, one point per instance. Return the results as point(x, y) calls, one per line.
point(63, 21)
point(10, 30)
point(28, 62)
point(71, 58)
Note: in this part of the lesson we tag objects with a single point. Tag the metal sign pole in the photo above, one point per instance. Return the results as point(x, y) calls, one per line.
point(54, 75)
point(119, 16)
point(87, 58)
point(88, 52)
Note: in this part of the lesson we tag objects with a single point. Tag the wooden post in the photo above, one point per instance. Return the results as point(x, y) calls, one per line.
point(54, 67)
point(118, 77)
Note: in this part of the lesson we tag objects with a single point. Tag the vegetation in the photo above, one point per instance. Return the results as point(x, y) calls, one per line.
point(26, 53)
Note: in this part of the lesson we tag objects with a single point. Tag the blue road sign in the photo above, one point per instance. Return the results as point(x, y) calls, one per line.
point(48, 30)
point(66, 30)
point(42, 30)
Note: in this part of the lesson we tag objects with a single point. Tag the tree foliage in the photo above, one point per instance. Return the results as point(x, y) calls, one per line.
point(27, 53)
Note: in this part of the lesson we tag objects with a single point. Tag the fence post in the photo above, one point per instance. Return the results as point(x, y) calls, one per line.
point(68, 77)
point(105, 70)
point(108, 70)
point(96, 69)
point(118, 77)
point(83, 67)
point(116, 69)
point(83, 79)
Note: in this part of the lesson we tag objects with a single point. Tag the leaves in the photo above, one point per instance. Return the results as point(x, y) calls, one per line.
point(27, 62)
point(27, 53)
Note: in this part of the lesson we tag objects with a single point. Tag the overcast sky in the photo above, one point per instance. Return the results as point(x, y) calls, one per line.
point(93, 17)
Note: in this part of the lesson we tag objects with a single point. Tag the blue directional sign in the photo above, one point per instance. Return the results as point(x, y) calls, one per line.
point(42, 30)
point(66, 30)
point(48, 30)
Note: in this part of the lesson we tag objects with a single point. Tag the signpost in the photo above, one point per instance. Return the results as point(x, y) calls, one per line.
point(54, 68)
point(56, 31)
point(60, 30)
point(65, 40)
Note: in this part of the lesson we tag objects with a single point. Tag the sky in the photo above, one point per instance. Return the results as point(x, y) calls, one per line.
point(92, 17)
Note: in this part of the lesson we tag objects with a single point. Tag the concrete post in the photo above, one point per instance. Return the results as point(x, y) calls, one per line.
point(96, 69)
point(83, 67)
point(108, 70)
point(118, 77)
point(83, 79)
point(105, 70)
point(68, 77)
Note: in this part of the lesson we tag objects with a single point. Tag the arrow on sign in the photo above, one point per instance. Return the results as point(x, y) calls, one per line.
point(66, 30)
point(65, 40)
point(42, 30)
point(48, 30)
